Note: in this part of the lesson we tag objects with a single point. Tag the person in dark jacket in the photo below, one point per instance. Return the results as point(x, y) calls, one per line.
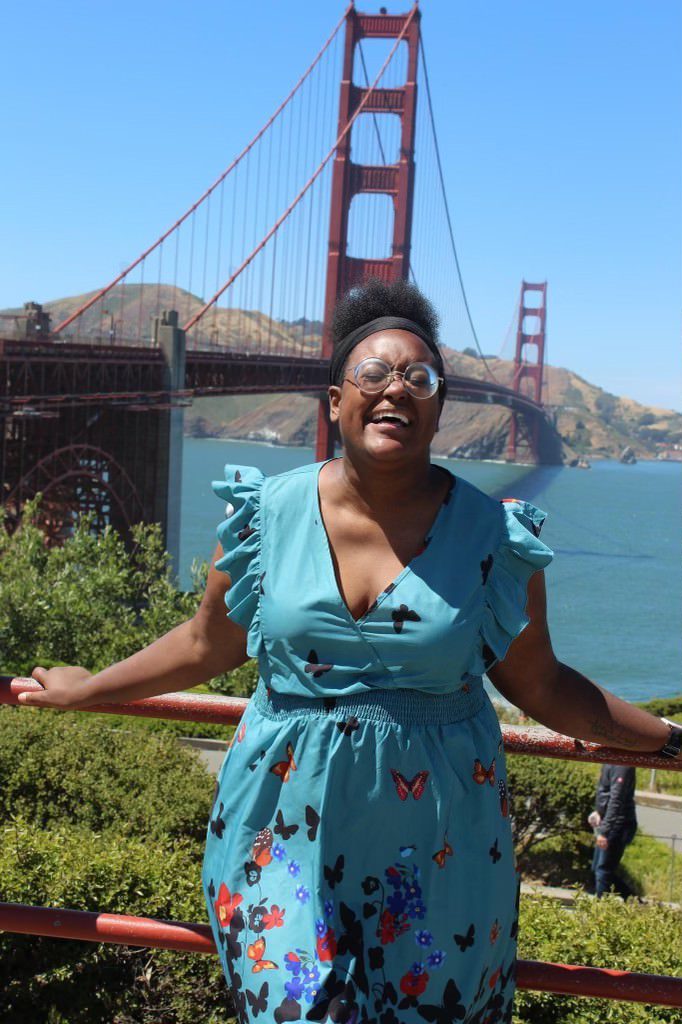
point(615, 823)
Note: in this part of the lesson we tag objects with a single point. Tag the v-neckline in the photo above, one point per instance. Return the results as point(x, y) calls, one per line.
point(405, 571)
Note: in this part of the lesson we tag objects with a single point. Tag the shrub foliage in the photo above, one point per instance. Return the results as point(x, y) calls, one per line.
point(598, 933)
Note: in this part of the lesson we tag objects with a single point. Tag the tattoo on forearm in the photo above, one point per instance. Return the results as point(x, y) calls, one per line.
point(612, 734)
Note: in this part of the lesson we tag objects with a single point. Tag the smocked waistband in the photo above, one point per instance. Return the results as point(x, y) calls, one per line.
point(400, 707)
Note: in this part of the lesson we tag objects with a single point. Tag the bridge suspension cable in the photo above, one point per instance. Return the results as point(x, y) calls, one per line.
point(313, 178)
point(205, 197)
point(446, 206)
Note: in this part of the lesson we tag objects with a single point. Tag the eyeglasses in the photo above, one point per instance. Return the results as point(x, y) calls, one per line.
point(372, 375)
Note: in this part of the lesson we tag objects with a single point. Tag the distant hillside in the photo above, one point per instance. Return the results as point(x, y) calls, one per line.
point(591, 421)
point(129, 309)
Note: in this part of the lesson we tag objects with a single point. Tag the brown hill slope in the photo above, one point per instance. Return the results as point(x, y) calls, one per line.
point(590, 420)
point(128, 310)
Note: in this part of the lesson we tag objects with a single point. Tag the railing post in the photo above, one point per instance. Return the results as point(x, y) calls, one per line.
point(170, 339)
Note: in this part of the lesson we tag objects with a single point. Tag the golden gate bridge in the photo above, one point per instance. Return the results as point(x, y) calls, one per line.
point(235, 297)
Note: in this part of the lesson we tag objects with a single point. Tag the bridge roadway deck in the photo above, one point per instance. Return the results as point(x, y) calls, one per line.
point(49, 374)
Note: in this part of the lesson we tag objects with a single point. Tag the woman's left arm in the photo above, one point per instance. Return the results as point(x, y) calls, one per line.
point(556, 695)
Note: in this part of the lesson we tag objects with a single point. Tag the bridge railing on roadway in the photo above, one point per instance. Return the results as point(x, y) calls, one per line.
point(122, 929)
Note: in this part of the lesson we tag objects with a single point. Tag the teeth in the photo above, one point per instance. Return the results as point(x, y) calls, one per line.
point(391, 417)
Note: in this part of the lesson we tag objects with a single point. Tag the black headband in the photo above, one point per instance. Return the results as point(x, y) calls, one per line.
point(382, 323)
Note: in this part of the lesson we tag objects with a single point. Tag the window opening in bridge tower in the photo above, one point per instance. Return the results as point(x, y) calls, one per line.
point(369, 58)
point(532, 298)
point(370, 227)
point(375, 139)
point(531, 324)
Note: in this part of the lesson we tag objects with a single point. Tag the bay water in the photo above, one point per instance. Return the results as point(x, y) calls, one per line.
point(614, 588)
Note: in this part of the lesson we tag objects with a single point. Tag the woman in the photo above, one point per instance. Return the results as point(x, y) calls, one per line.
point(359, 862)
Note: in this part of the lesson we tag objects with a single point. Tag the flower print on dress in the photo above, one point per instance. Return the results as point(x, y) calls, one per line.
point(294, 868)
point(397, 904)
point(225, 905)
point(257, 917)
point(275, 917)
point(278, 852)
point(252, 872)
point(302, 894)
point(414, 982)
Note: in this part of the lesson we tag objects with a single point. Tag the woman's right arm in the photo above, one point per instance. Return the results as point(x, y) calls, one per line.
point(206, 645)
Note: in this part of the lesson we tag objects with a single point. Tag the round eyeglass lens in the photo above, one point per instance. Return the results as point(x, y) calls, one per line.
point(372, 375)
point(421, 380)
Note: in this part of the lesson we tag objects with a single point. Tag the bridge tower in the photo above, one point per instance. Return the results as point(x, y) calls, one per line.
point(350, 179)
point(528, 373)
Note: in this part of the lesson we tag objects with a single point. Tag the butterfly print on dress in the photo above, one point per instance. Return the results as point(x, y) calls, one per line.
point(504, 800)
point(284, 768)
point(217, 824)
point(245, 532)
point(258, 1003)
point(402, 615)
point(256, 952)
point(313, 666)
point(415, 786)
point(482, 775)
point(349, 726)
point(334, 875)
point(486, 566)
point(449, 1010)
point(440, 855)
point(312, 820)
point(261, 851)
point(285, 831)
point(252, 767)
point(494, 852)
point(237, 477)
point(467, 940)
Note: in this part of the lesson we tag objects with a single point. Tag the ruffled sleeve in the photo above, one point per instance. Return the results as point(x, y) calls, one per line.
point(519, 554)
point(240, 536)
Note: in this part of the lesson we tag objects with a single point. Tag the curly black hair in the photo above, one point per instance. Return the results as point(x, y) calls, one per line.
point(377, 298)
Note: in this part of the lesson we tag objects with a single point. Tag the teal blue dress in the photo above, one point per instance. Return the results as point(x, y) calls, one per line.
point(359, 863)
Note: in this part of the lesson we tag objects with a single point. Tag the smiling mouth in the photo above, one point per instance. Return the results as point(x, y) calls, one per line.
point(394, 419)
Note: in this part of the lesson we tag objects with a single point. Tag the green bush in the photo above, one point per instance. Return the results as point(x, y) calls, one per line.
point(652, 869)
point(64, 982)
point(548, 798)
point(89, 602)
point(598, 933)
point(59, 767)
point(666, 707)
point(240, 682)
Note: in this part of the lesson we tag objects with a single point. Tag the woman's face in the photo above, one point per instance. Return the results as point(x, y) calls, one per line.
point(360, 416)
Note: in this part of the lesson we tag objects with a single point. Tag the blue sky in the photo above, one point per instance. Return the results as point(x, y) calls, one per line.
point(559, 126)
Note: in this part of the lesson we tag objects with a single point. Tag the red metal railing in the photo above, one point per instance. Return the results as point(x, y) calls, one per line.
point(561, 979)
